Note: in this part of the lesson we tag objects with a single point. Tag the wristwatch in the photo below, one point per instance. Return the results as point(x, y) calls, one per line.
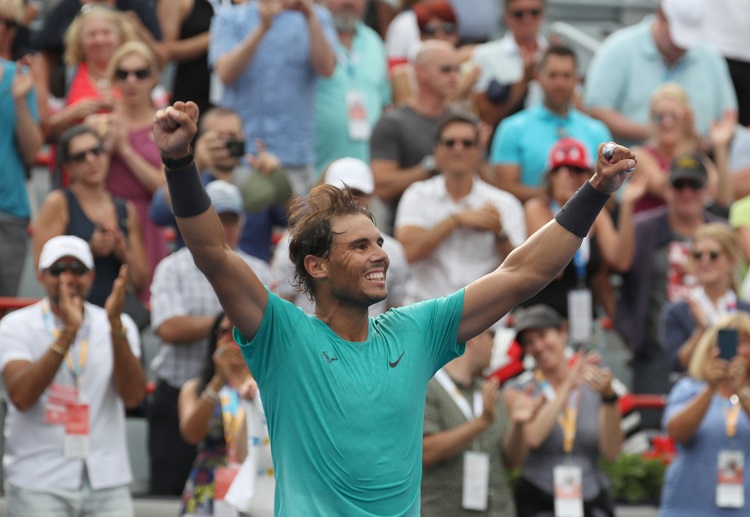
point(428, 164)
point(178, 163)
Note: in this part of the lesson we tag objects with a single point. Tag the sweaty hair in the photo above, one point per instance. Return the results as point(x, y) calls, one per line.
point(310, 228)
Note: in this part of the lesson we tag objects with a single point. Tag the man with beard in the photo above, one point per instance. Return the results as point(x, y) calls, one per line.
point(350, 102)
point(345, 393)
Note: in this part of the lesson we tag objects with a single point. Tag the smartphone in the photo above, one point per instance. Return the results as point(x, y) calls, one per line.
point(727, 340)
point(236, 148)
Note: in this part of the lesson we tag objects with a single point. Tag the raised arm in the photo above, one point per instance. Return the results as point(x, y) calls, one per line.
point(536, 262)
point(240, 292)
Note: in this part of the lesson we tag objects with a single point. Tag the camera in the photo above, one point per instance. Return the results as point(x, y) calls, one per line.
point(236, 147)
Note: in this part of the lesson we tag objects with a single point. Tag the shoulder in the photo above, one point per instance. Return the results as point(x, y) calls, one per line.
point(621, 41)
point(503, 197)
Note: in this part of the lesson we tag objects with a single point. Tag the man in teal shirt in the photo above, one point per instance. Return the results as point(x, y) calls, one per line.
point(350, 102)
point(344, 393)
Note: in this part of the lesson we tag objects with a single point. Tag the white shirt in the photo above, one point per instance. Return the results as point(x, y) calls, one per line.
point(33, 456)
point(399, 272)
point(466, 254)
point(402, 36)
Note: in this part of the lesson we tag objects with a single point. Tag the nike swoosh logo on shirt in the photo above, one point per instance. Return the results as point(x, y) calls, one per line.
point(393, 364)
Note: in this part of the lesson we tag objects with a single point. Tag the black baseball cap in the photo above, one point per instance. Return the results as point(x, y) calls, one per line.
point(536, 317)
point(688, 167)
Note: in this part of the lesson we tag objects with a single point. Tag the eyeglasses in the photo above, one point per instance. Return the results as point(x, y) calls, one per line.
point(223, 331)
point(432, 28)
point(712, 255)
point(448, 69)
point(75, 268)
point(683, 184)
point(571, 169)
point(140, 74)
point(519, 14)
point(467, 143)
point(9, 24)
point(81, 156)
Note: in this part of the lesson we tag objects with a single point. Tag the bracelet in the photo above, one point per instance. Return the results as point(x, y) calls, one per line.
point(581, 210)
point(610, 399)
point(210, 395)
point(186, 192)
point(118, 332)
point(58, 350)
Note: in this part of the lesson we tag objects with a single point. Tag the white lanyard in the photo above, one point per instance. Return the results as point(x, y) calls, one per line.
point(451, 389)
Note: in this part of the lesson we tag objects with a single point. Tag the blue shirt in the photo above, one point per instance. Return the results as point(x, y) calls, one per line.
point(275, 94)
point(364, 69)
point(14, 199)
point(524, 139)
point(345, 419)
point(690, 482)
point(628, 67)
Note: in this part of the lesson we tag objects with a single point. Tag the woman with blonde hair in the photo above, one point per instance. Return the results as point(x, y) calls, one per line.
point(673, 134)
point(135, 170)
point(715, 259)
point(707, 417)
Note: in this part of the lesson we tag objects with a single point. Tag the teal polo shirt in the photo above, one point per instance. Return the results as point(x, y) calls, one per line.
point(363, 69)
point(525, 139)
point(628, 67)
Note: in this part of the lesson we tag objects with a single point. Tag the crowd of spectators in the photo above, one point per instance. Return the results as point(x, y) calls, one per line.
point(463, 130)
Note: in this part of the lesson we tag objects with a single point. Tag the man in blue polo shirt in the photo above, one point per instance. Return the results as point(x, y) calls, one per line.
point(522, 142)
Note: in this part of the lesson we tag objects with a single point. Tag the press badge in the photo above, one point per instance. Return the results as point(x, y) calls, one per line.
point(356, 108)
point(476, 480)
point(568, 493)
point(76, 443)
point(730, 489)
point(223, 477)
point(580, 317)
point(58, 398)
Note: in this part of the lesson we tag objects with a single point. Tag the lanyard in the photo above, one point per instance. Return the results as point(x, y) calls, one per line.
point(232, 416)
point(568, 417)
point(82, 337)
point(451, 389)
point(731, 409)
point(349, 59)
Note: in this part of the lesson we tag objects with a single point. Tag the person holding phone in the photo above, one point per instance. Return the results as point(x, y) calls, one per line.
point(708, 417)
point(715, 257)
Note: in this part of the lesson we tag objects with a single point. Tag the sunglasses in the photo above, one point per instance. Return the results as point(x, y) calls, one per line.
point(75, 268)
point(81, 156)
point(683, 184)
point(432, 28)
point(519, 14)
point(712, 255)
point(9, 24)
point(450, 143)
point(223, 331)
point(660, 118)
point(448, 69)
point(140, 74)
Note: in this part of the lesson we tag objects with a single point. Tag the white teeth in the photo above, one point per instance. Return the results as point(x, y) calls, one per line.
point(377, 277)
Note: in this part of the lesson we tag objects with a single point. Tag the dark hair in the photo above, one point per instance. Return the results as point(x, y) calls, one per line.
point(508, 2)
point(208, 363)
point(310, 233)
point(63, 148)
point(215, 111)
point(560, 51)
point(434, 9)
point(456, 118)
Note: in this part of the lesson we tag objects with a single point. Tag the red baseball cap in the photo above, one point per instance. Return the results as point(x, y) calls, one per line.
point(570, 152)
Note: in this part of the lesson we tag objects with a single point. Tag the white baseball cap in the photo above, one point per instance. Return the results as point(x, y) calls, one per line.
point(685, 20)
point(225, 197)
point(352, 173)
point(65, 246)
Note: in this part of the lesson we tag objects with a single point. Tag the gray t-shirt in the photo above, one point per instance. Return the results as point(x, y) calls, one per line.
point(404, 136)
point(442, 485)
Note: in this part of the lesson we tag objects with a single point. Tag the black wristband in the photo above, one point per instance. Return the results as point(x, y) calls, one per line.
point(610, 399)
point(581, 210)
point(177, 163)
point(186, 191)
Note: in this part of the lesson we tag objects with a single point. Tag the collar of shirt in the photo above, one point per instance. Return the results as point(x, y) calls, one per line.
point(509, 45)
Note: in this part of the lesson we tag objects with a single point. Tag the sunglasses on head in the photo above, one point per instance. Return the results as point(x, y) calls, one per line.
point(712, 255)
point(9, 24)
point(520, 13)
point(683, 184)
point(450, 143)
point(432, 28)
point(75, 268)
point(81, 156)
point(122, 74)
